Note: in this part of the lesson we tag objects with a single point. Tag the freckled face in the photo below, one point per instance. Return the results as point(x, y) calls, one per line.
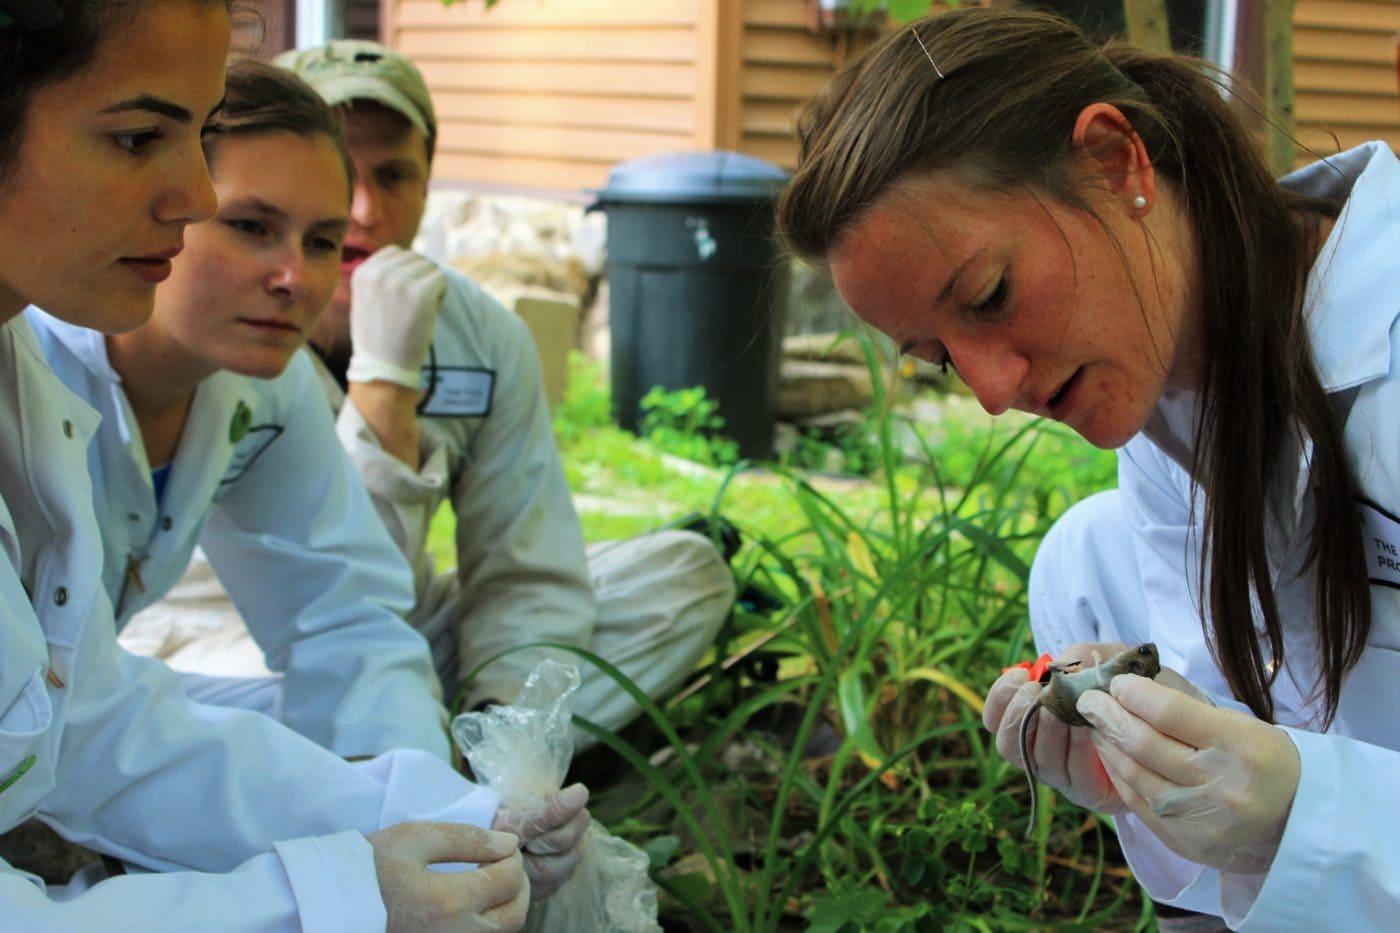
point(253, 280)
point(1032, 302)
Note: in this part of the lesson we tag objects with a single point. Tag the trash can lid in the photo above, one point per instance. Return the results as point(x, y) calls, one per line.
point(692, 178)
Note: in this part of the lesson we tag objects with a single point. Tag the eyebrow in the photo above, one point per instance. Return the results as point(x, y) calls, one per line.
point(155, 104)
point(256, 204)
point(268, 209)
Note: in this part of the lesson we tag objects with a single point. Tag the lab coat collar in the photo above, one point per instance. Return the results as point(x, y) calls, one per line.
point(1356, 268)
point(87, 345)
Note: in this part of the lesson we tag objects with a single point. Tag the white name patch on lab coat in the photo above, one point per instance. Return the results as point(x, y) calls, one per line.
point(457, 391)
point(1380, 532)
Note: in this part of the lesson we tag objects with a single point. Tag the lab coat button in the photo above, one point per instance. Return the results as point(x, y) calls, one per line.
point(132, 517)
point(60, 596)
point(166, 524)
point(67, 428)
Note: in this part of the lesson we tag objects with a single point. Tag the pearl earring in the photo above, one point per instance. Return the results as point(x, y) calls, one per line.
point(1140, 202)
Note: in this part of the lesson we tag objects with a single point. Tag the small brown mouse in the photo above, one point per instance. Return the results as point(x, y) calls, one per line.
point(1065, 683)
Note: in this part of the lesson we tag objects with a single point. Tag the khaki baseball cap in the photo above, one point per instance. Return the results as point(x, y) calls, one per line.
point(343, 70)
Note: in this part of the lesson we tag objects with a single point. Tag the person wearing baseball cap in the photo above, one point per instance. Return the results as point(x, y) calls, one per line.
point(349, 70)
point(481, 438)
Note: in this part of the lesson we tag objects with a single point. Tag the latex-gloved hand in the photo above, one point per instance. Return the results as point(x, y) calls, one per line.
point(1215, 785)
point(550, 839)
point(1065, 758)
point(493, 898)
point(394, 300)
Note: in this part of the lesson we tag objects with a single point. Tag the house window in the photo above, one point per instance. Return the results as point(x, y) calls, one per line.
point(319, 20)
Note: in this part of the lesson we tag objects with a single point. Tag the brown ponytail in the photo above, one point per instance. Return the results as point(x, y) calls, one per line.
point(1012, 84)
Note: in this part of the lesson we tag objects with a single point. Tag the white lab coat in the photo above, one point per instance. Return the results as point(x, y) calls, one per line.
point(1124, 566)
point(258, 479)
point(651, 605)
point(250, 826)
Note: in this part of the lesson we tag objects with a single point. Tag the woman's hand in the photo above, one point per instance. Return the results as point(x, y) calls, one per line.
point(1064, 757)
point(1215, 785)
point(550, 839)
point(491, 899)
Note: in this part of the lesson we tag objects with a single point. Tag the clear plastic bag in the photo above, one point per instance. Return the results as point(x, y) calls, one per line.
point(523, 752)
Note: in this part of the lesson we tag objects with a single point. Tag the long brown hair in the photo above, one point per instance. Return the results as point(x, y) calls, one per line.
point(993, 95)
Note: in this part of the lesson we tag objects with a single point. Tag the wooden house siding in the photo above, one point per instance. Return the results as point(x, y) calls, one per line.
point(1344, 73)
point(551, 94)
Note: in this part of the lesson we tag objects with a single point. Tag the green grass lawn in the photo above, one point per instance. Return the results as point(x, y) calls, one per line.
point(827, 770)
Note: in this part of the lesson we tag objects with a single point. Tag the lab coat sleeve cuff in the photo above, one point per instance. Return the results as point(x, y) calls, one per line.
point(1165, 876)
point(334, 883)
point(386, 476)
point(419, 786)
point(1334, 851)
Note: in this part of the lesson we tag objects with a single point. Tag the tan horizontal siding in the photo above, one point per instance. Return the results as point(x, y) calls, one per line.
point(1336, 45)
point(1324, 141)
point(1344, 73)
point(584, 144)
point(477, 47)
point(783, 13)
point(790, 83)
point(778, 151)
point(675, 115)
point(770, 117)
point(621, 79)
point(551, 93)
point(785, 63)
point(541, 94)
point(1359, 15)
point(519, 172)
point(1367, 78)
point(767, 45)
point(1348, 109)
point(512, 14)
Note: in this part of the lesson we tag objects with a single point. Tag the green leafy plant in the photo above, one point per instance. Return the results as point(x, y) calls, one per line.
point(828, 769)
point(687, 423)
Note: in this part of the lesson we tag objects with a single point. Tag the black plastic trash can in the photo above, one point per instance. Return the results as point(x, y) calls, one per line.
point(695, 283)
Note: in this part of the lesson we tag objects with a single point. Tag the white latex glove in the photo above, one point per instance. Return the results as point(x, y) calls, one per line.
point(394, 300)
point(1065, 757)
point(550, 838)
point(1215, 785)
point(494, 897)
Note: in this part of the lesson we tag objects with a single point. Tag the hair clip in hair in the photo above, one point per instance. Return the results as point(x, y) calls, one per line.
point(915, 33)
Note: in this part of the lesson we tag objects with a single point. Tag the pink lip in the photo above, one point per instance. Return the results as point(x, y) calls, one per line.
point(151, 269)
point(1060, 402)
point(281, 326)
point(353, 256)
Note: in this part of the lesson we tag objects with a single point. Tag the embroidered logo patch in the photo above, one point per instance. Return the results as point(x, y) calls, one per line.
point(239, 424)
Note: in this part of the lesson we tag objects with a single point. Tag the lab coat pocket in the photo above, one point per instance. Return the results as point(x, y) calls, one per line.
point(26, 752)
